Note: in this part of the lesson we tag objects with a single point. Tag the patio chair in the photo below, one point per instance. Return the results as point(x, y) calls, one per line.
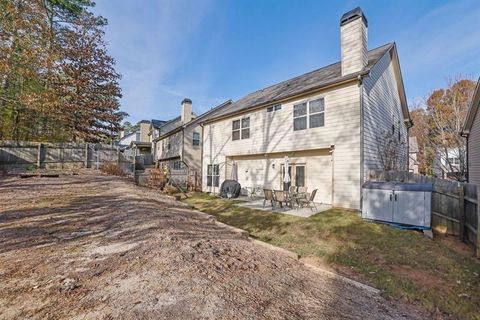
point(309, 202)
point(268, 197)
point(292, 189)
point(280, 197)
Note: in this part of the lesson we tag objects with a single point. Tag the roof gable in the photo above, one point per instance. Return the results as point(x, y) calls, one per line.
point(472, 110)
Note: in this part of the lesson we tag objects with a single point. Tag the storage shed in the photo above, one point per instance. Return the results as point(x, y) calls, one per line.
point(403, 203)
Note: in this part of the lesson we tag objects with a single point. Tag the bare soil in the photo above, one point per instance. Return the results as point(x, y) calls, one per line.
point(99, 247)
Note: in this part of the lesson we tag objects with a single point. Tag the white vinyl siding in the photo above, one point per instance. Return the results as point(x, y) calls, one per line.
point(382, 110)
point(474, 151)
point(276, 134)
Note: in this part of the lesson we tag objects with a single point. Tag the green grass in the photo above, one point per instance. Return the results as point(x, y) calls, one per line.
point(404, 264)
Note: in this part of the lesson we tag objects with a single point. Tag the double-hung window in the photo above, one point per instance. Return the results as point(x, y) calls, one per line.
point(241, 129)
point(300, 116)
point(213, 175)
point(309, 114)
point(196, 139)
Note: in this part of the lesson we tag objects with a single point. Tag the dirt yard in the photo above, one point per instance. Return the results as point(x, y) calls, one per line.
point(98, 247)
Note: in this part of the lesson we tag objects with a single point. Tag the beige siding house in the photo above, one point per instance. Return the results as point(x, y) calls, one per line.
point(326, 122)
point(178, 147)
point(471, 131)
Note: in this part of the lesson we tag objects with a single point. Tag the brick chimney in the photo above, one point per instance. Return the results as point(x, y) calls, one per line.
point(353, 41)
point(186, 111)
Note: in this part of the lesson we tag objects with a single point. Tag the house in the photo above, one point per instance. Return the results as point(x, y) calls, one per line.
point(471, 130)
point(154, 130)
point(449, 164)
point(413, 163)
point(327, 123)
point(137, 142)
point(178, 148)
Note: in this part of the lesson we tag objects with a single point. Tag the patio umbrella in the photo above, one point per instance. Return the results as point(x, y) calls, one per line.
point(286, 177)
point(234, 174)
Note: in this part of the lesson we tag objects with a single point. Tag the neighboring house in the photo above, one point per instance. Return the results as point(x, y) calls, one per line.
point(413, 155)
point(327, 122)
point(471, 130)
point(154, 130)
point(154, 133)
point(179, 145)
point(138, 142)
point(447, 164)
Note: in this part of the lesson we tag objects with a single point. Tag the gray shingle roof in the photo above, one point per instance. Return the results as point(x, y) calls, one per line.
point(158, 123)
point(330, 74)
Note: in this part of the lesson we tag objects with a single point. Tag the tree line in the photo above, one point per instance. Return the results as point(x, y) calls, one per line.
point(438, 121)
point(57, 80)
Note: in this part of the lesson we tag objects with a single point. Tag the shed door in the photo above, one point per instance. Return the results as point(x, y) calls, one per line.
point(378, 204)
point(409, 208)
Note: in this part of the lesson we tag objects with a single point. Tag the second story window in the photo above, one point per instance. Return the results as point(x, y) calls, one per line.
point(196, 139)
point(300, 116)
point(309, 114)
point(241, 129)
point(316, 110)
point(274, 108)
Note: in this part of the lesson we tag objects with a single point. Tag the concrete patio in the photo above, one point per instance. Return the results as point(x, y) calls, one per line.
point(257, 204)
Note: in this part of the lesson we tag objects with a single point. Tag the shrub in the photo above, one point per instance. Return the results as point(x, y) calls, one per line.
point(111, 168)
point(170, 190)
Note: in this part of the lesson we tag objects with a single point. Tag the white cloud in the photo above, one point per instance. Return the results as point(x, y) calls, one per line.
point(150, 42)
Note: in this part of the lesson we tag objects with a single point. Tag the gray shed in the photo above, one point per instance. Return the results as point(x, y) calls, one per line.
point(397, 202)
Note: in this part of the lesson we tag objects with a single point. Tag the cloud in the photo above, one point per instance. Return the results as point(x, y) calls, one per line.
point(150, 42)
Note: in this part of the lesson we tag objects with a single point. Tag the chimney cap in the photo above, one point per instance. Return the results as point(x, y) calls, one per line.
point(186, 100)
point(353, 15)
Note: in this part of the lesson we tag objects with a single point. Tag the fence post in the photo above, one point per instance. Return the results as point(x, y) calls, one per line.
point(86, 155)
point(461, 209)
point(39, 155)
point(478, 222)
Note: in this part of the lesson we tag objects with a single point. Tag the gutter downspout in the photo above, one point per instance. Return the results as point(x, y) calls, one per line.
point(201, 160)
point(362, 138)
point(465, 135)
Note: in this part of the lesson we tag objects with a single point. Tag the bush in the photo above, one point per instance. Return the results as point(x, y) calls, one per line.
point(170, 190)
point(111, 168)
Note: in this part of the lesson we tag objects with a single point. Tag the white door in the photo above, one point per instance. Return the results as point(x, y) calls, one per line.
point(409, 208)
point(378, 204)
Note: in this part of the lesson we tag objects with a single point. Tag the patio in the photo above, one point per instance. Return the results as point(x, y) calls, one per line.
point(257, 204)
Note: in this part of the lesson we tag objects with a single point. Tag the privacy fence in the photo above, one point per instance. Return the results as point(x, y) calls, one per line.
point(455, 205)
point(24, 155)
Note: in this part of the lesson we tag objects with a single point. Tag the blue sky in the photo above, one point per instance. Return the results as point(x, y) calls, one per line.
point(211, 51)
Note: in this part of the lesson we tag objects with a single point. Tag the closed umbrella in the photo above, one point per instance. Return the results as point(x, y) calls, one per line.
point(286, 177)
point(234, 174)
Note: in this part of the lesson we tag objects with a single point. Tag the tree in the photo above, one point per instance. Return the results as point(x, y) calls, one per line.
point(35, 84)
point(447, 109)
point(390, 147)
point(90, 88)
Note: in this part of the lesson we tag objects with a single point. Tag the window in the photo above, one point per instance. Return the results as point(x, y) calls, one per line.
point(213, 175)
point(177, 165)
point(315, 114)
point(196, 139)
point(241, 129)
point(300, 116)
point(274, 108)
point(300, 176)
point(168, 144)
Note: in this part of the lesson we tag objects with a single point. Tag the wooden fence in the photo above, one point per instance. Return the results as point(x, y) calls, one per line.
point(455, 205)
point(22, 155)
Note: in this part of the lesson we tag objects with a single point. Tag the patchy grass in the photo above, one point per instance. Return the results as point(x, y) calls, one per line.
point(404, 264)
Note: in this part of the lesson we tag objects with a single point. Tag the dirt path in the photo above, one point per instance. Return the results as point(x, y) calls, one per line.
point(98, 247)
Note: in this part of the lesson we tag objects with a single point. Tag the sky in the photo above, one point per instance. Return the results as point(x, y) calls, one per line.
point(211, 51)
